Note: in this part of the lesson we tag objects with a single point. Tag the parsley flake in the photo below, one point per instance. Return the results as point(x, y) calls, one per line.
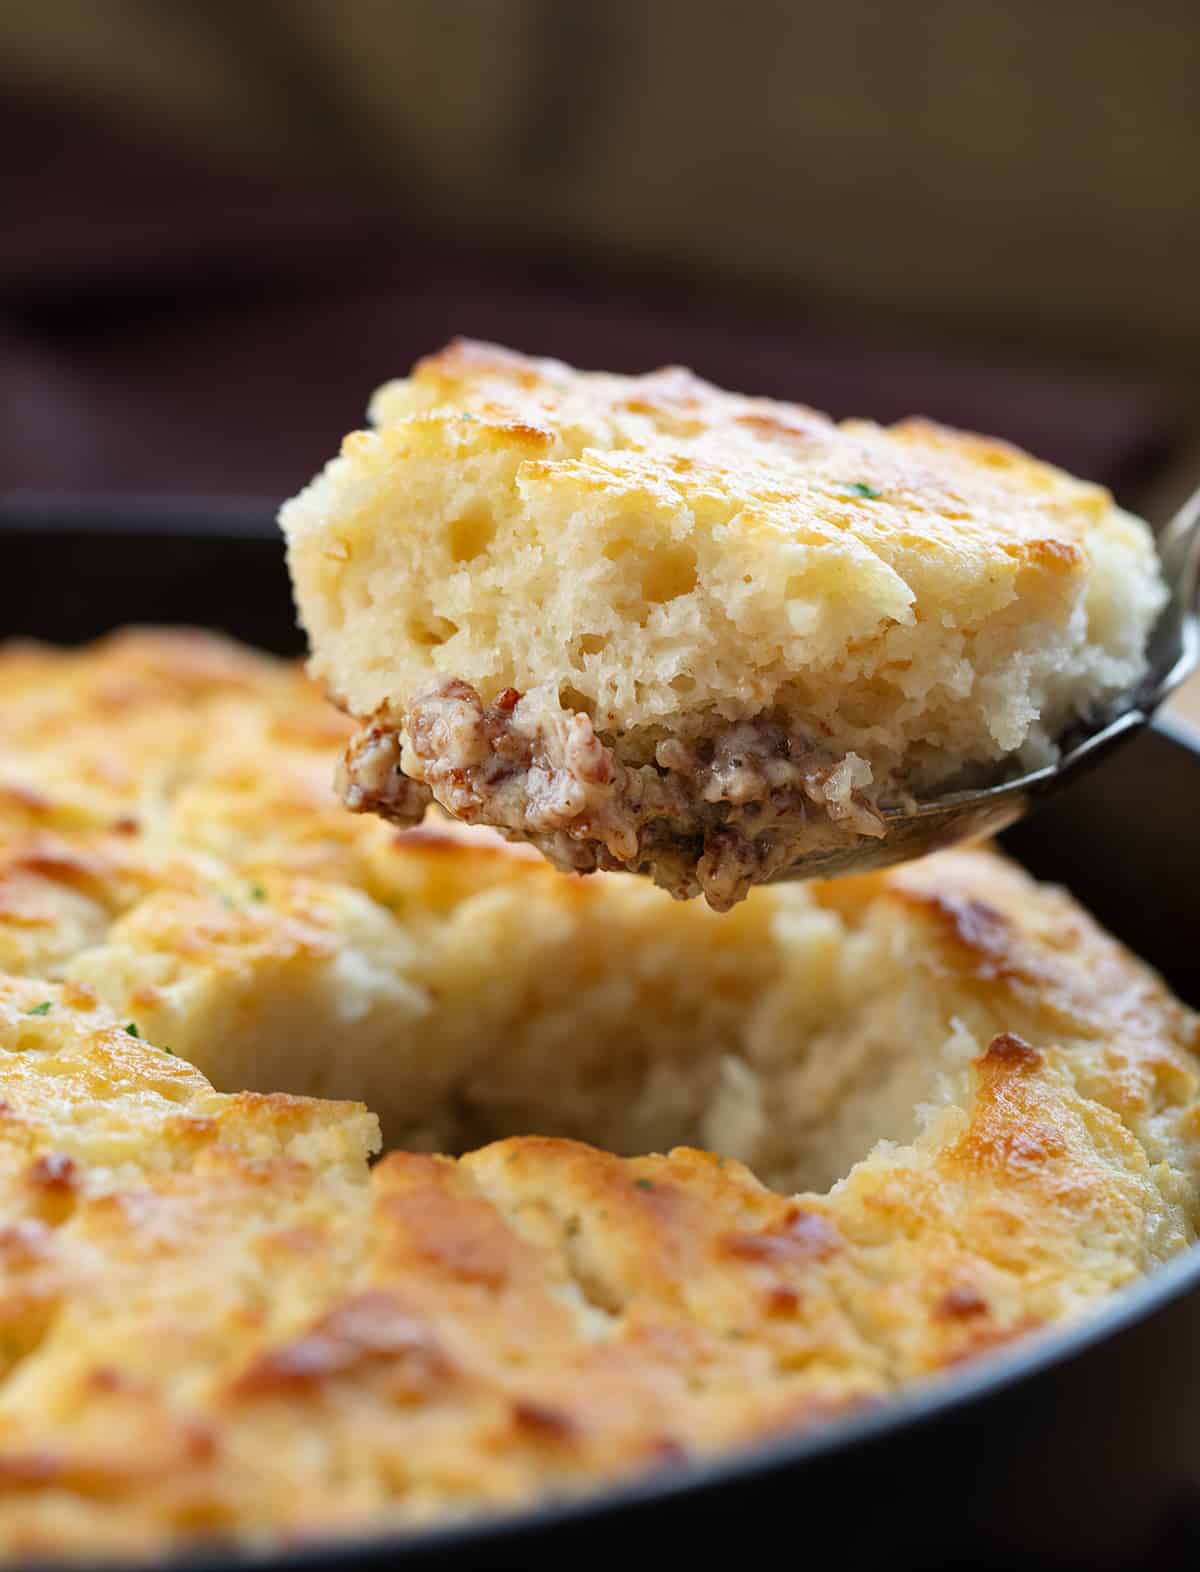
point(860, 489)
point(41, 1009)
point(644, 1184)
point(167, 1050)
point(257, 892)
point(131, 1029)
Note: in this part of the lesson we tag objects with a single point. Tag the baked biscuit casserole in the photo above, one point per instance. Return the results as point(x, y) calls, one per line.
point(941, 1109)
point(642, 623)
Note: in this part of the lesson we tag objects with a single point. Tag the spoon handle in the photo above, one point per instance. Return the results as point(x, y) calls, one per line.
point(1179, 549)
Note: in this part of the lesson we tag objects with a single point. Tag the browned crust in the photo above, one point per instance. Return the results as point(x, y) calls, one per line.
point(216, 1323)
point(511, 391)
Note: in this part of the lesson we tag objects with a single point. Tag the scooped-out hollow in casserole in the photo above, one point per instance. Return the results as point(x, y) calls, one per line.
point(661, 1182)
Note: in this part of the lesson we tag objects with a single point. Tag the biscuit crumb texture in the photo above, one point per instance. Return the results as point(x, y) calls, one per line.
point(728, 630)
point(706, 1179)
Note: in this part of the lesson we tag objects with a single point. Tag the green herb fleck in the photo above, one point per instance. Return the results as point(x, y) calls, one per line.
point(573, 1227)
point(861, 489)
point(644, 1184)
point(131, 1028)
point(257, 892)
point(41, 1009)
point(735, 1334)
point(466, 415)
point(170, 1051)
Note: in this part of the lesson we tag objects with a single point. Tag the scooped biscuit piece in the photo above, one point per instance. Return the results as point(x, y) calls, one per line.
point(646, 624)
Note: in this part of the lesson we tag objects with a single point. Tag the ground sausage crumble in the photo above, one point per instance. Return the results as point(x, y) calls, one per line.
point(710, 819)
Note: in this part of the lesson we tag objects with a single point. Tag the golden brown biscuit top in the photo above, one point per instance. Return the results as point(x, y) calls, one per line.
point(217, 1319)
point(781, 469)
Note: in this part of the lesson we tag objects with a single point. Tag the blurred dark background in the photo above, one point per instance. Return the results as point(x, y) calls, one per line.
point(225, 221)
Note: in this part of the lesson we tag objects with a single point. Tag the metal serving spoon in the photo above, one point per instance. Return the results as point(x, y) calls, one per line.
point(1174, 655)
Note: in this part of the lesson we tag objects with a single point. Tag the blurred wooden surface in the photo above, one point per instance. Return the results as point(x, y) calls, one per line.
point(1024, 170)
point(171, 321)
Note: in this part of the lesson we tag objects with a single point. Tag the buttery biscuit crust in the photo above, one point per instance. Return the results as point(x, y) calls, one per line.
point(219, 1322)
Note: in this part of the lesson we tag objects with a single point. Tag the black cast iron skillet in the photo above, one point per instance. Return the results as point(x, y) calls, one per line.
point(1076, 1449)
